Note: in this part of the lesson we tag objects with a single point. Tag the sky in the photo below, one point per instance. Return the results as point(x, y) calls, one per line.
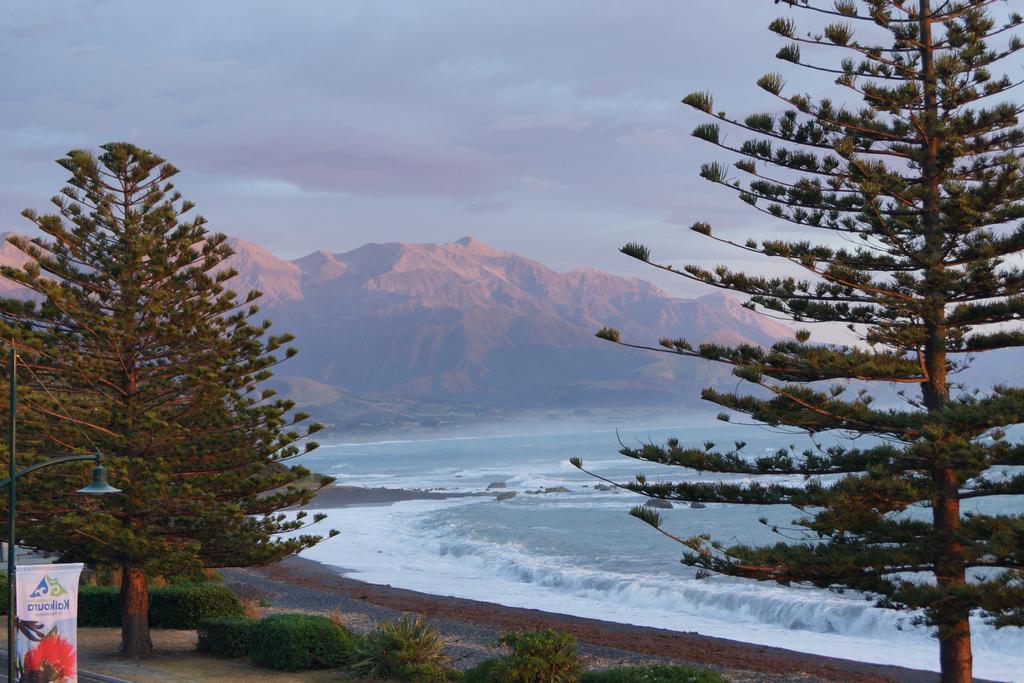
point(552, 129)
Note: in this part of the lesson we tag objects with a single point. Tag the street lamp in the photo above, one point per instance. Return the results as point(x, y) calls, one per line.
point(99, 486)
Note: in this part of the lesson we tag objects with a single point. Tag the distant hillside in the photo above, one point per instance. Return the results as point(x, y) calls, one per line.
point(10, 255)
point(400, 333)
point(464, 323)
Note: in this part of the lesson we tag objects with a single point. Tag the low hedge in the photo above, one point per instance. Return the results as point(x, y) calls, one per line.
point(225, 637)
point(180, 606)
point(663, 673)
point(184, 605)
point(97, 605)
point(299, 642)
point(101, 605)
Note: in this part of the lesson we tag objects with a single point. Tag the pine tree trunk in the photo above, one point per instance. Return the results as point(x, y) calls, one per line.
point(953, 618)
point(135, 640)
point(955, 658)
point(954, 625)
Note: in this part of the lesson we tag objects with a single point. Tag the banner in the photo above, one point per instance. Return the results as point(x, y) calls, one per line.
point(47, 623)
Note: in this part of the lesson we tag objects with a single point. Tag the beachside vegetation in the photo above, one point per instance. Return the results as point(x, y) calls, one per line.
point(224, 637)
point(184, 605)
point(180, 606)
point(300, 642)
point(135, 346)
point(410, 649)
point(659, 673)
point(484, 672)
point(903, 193)
point(406, 649)
point(547, 656)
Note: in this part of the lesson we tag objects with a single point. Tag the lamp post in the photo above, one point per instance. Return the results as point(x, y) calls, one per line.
point(99, 486)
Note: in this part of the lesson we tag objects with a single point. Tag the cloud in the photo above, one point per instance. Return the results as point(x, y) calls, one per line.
point(359, 161)
point(487, 205)
point(336, 123)
point(264, 187)
point(539, 184)
point(534, 121)
point(676, 220)
point(659, 138)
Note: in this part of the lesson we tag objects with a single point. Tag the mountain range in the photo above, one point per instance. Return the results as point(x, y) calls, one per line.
point(464, 324)
point(404, 334)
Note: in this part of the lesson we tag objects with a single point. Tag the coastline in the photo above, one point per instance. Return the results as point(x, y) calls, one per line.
point(729, 656)
point(764, 663)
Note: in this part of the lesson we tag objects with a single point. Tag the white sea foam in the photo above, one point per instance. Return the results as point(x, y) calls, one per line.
point(389, 545)
point(580, 553)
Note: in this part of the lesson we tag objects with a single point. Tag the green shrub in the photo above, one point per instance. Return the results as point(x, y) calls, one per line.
point(3, 593)
point(180, 605)
point(406, 650)
point(99, 606)
point(663, 673)
point(536, 657)
point(484, 672)
point(298, 642)
point(225, 637)
point(194, 576)
point(184, 605)
point(426, 673)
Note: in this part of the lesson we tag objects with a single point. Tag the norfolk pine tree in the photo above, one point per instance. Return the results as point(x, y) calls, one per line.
point(916, 189)
point(137, 350)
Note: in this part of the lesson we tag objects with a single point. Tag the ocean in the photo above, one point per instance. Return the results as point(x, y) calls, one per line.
point(580, 553)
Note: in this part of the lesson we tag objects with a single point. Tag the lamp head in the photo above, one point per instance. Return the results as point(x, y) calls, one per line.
point(99, 485)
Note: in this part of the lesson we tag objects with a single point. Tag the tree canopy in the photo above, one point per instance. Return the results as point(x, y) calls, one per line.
point(909, 184)
point(132, 345)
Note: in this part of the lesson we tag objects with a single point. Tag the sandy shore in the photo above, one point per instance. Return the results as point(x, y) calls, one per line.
point(739, 661)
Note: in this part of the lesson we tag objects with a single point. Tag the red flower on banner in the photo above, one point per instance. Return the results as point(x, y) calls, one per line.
point(52, 660)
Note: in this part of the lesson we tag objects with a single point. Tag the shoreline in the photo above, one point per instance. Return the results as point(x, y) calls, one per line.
point(690, 647)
